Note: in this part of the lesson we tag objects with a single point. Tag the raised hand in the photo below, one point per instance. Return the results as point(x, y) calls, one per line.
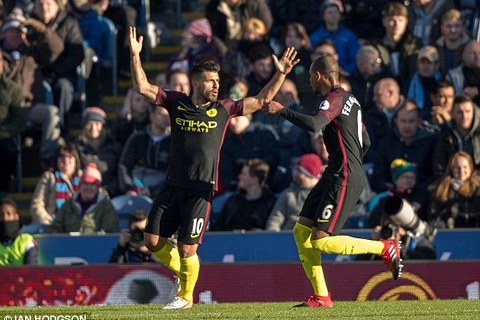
point(272, 107)
point(135, 45)
point(287, 61)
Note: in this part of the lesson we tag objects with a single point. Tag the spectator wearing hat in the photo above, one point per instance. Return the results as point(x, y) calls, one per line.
point(346, 42)
point(249, 207)
point(89, 210)
point(27, 46)
point(424, 80)
point(396, 44)
point(404, 178)
point(305, 175)
point(96, 144)
point(410, 141)
point(196, 43)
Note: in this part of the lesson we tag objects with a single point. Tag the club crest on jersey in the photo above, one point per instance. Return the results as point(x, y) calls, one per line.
point(325, 105)
point(212, 112)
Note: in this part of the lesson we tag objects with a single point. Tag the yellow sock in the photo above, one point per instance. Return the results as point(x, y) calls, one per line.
point(189, 269)
point(169, 257)
point(310, 258)
point(348, 245)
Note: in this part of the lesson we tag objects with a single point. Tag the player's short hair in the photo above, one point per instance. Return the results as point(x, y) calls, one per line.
point(203, 65)
point(326, 64)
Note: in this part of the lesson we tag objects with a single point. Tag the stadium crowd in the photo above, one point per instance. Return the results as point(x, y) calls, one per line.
point(414, 66)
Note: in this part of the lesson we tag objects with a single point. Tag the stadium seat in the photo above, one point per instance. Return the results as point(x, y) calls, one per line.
point(125, 205)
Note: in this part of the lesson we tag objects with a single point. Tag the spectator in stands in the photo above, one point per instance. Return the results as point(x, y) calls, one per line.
point(196, 43)
point(455, 197)
point(308, 99)
point(305, 175)
point(424, 18)
point(466, 77)
point(144, 160)
point(248, 209)
point(369, 69)
point(408, 141)
point(442, 96)
point(379, 118)
point(89, 210)
point(13, 120)
point(131, 247)
point(404, 178)
point(346, 42)
point(246, 140)
point(133, 117)
point(261, 67)
point(295, 35)
point(124, 14)
point(238, 89)
point(237, 61)
point(227, 17)
point(451, 43)
point(397, 46)
point(310, 142)
point(463, 134)
point(28, 45)
point(96, 144)
point(178, 80)
point(16, 248)
point(423, 81)
point(288, 133)
point(61, 74)
point(54, 187)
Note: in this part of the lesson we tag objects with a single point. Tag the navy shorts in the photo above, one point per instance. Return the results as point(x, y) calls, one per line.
point(330, 203)
point(185, 210)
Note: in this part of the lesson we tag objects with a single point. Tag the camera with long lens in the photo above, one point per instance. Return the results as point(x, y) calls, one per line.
point(402, 214)
point(136, 236)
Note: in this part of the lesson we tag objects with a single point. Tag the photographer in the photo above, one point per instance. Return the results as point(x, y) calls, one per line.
point(396, 214)
point(131, 247)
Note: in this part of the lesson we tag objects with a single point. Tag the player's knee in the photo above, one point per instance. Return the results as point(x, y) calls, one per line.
point(153, 242)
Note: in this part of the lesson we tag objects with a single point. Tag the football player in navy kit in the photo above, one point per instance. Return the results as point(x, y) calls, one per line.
point(327, 207)
point(199, 124)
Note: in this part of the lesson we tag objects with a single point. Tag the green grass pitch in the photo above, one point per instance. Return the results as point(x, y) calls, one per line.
point(371, 310)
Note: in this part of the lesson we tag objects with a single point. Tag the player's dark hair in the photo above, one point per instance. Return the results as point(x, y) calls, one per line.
point(203, 65)
point(326, 64)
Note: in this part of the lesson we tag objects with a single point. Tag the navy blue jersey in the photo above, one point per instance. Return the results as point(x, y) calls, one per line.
point(196, 138)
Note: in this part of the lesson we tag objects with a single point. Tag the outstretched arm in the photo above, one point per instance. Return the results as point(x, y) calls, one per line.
point(140, 81)
point(283, 66)
point(307, 122)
